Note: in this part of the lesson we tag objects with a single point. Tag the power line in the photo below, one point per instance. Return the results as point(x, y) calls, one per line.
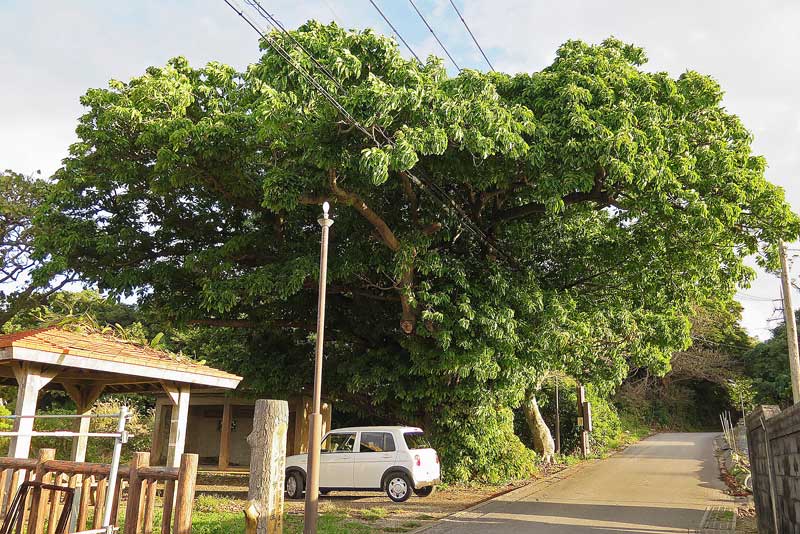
point(433, 33)
point(276, 24)
point(333, 12)
point(431, 188)
point(472, 35)
point(397, 33)
point(285, 55)
point(755, 298)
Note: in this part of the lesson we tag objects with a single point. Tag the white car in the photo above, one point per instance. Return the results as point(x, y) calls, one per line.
point(395, 459)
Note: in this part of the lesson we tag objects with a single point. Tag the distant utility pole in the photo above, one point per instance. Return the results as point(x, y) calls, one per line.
point(791, 325)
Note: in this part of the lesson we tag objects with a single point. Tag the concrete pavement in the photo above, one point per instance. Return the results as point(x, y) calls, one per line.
point(662, 484)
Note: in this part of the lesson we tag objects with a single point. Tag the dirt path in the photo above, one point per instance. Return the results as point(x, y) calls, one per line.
point(662, 484)
point(382, 515)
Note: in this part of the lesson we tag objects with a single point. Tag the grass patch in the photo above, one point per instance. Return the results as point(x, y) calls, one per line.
point(233, 523)
point(372, 514)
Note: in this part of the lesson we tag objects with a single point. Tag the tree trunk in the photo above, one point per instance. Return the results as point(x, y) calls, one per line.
point(542, 438)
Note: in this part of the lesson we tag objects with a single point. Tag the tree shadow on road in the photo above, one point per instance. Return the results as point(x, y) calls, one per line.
point(568, 518)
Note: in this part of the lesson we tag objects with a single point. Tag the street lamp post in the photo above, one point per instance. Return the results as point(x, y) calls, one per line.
point(315, 420)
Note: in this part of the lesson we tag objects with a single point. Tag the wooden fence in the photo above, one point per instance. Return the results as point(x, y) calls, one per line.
point(90, 481)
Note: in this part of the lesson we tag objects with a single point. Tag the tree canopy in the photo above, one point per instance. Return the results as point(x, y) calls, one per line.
point(21, 197)
point(609, 199)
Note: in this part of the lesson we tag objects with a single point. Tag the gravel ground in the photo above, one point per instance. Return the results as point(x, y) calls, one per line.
point(383, 515)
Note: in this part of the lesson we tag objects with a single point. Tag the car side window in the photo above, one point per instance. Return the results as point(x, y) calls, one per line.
point(339, 442)
point(377, 442)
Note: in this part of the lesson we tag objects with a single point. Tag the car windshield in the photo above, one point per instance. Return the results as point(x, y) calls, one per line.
point(416, 440)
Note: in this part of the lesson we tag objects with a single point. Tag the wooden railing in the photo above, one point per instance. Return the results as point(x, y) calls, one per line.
point(90, 480)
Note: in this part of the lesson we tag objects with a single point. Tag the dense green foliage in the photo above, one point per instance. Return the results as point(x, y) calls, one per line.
point(767, 365)
point(623, 196)
point(704, 380)
point(66, 307)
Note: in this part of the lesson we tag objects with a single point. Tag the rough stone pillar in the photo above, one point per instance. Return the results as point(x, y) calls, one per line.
point(267, 465)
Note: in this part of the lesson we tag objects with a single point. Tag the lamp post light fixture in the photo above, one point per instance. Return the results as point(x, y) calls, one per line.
point(315, 420)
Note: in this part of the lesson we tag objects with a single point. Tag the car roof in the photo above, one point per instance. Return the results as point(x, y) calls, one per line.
point(377, 429)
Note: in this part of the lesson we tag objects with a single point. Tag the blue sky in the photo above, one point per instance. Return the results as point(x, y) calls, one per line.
point(53, 50)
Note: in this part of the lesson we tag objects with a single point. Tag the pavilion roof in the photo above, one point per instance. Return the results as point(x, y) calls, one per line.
point(58, 346)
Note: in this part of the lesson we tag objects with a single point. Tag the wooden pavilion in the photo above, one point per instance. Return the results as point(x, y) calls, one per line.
point(85, 365)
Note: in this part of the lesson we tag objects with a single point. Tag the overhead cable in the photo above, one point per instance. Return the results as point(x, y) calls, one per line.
point(397, 33)
point(421, 16)
point(474, 39)
point(431, 188)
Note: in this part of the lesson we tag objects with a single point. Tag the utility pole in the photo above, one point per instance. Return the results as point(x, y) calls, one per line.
point(315, 420)
point(791, 325)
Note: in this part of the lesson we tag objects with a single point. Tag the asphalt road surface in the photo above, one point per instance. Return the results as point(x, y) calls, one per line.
point(662, 484)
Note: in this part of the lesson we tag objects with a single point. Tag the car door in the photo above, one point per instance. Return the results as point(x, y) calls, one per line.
point(376, 453)
point(336, 460)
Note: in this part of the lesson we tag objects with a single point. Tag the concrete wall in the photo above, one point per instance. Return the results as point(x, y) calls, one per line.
point(773, 438)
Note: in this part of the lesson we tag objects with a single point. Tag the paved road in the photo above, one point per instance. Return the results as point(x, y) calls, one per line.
point(662, 484)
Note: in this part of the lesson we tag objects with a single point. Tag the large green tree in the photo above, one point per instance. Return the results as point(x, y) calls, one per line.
point(615, 198)
point(20, 197)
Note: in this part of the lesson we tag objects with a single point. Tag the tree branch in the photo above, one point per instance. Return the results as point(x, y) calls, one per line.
point(352, 199)
point(598, 194)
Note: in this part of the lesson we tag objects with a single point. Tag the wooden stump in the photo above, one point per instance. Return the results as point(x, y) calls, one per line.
point(267, 465)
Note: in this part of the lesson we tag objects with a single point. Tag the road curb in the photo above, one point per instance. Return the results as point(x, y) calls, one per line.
point(515, 494)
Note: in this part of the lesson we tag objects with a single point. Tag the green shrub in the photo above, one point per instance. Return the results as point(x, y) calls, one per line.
point(482, 447)
point(608, 433)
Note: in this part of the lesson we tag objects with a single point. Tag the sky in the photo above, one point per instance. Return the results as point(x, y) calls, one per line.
point(53, 51)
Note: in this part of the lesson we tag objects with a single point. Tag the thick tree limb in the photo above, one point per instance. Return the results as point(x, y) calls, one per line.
point(312, 200)
point(352, 199)
point(388, 238)
point(598, 194)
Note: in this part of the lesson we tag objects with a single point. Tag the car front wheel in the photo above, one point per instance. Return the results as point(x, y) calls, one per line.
point(294, 485)
point(399, 487)
point(424, 492)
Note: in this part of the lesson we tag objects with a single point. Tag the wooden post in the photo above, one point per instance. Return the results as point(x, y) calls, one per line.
point(83, 505)
point(225, 435)
point(157, 441)
point(140, 459)
point(187, 477)
point(267, 464)
point(179, 394)
point(169, 499)
point(84, 397)
point(150, 506)
point(100, 502)
point(39, 498)
point(302, 411)
point(30, 380)
point(327, 415)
